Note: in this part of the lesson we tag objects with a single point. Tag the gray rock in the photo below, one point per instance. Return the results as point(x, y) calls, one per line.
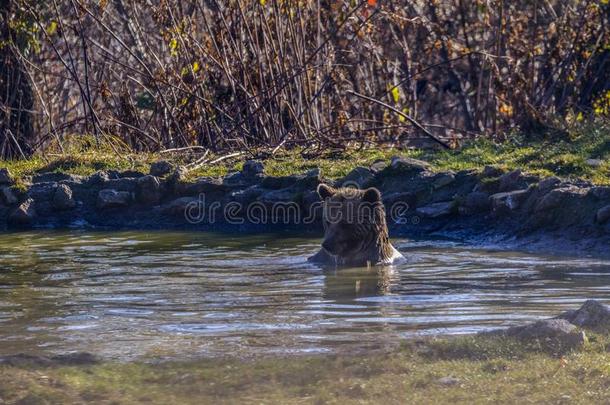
point(98, 178)
point(448, 381)
point(179, 206)
point(63, 198)
point(56, 177)
point(253, 168)
point(6, 177)
point(176, 182)
point(358, 177)
point(206, 185)
point(548, 184)
point(284, 195)
point(148, 190)
point(556, 197)
point(594, 162)
point(436, 210)
point(556, 333)
point(509, 200)
point(442, 180)
point(7, 196)
point(492, 171)
point(475, 202)
point(24, 214)
point(109, 198)
point(603, 215)
point(378, 166)
point(600, 192)
point(406, 164)
point(161, 168)
point(122, 184)
point(247, 195)
point(592, 315)
point(512, 181)
point(408, 198)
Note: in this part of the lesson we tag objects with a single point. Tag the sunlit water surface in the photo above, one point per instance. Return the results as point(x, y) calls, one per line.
point(144, 295)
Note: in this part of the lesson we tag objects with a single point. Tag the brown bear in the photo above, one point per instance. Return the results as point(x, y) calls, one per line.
point(356, 233)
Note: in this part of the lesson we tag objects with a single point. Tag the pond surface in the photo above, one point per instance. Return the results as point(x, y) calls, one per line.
point(140, 295)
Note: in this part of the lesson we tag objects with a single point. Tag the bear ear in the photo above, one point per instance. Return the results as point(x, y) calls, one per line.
point(325, 191)
point(371, 195)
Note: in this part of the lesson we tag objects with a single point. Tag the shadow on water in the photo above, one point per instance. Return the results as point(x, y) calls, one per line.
point(170, 294)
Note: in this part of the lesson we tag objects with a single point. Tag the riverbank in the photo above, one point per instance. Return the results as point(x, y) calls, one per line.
point(551, 362)
point(487, 205)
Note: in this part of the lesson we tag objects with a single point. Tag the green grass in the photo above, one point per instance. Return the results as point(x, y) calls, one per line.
point(485, 369)
point(562, 156)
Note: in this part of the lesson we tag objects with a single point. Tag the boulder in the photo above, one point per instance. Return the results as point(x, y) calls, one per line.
point(436, 210)
point(378, 166)
point(492, 171)
point(99, 177)
point(63, 198)
point(5, 177)
point(179, 206)
point(176, 182)
point(509, 200)
point(148, 190)
point(600, 192)
point(405, 164)
point(591, 315)
point(7, 196)
point(359, 177)
point(274, 196)
point(56, 177)
point(110, 198)
point(475, 202)
point(603, 215)
point(24, 214)
point(253, 168)
point(554, 333)
point(556, 197)
point(122, 184)
point(594, 162)
point(408, 198)
point(512, 181)
point(206, 185)
point(160, 168)
point(442, 180)
point(548, 184)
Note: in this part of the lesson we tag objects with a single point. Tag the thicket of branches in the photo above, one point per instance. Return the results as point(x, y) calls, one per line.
point(236, 74)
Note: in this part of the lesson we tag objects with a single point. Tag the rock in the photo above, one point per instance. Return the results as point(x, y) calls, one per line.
point(405, 164)
point(359, 177)
point(603, 215)
point(556, 333)
point(206, 185)
point(442, 180)
point(247, 195)
point(24, 214)
point(253, 168)
point(436, 210)
point(56, 177)
point(600, 192)
point(122, 184)
point(98, 178)
point(148, 190)
point(179, 206)
point(378, 166)
point(7, 196)
point(5, 177)
point(63, 198)
point(512, 181)
point(594, 162)
point(591, 315)
point(556, 197)
point(492, 171)
point(448, 381)
point(160, 168)
point(475, 202)
point(548, 184)
point(109, 198)
point(510, 200)
point(410, 199)
point(176, 181)
point(284, 195)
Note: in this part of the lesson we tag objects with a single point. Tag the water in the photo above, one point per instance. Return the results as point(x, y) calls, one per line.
point(167, 295)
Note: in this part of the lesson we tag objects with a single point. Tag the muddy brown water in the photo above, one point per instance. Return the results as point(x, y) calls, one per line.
point(141, 295)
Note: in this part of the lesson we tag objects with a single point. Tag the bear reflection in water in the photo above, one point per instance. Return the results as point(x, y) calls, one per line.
point(350, 283)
